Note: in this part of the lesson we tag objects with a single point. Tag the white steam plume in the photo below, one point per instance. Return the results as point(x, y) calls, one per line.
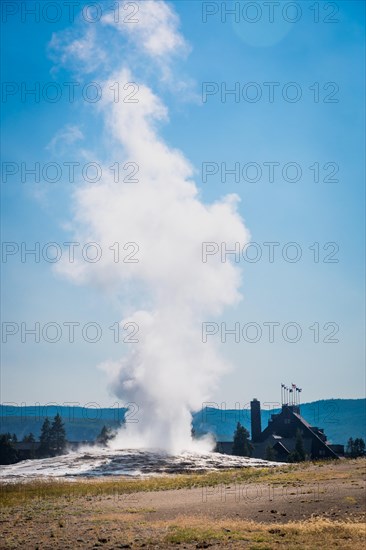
point(170, 372)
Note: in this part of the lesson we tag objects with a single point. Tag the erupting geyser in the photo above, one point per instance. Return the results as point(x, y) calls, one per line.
point(169, 372)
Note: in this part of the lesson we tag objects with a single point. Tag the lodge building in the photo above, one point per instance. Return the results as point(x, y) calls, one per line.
point(280, 434)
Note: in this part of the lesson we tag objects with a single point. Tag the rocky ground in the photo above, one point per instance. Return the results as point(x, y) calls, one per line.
point(306, 506)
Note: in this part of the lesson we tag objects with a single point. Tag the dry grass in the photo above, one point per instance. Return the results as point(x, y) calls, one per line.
point(306, 535)
point(17, 493)
point(131, 527)
point(87, 514)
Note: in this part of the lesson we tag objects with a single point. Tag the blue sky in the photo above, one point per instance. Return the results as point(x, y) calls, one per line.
point(305, 212)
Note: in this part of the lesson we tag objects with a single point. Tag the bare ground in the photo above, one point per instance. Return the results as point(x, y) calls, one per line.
point(306, 507)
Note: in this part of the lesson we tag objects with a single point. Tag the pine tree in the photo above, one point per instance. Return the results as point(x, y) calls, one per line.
point(57, 436)
point(270, 453)
point(355, 447)
point(105, 436)
point(45, 439)
point(360, 447)
point(29, 438)
point(299, 446)
point(298, 454)
point(350, 446)
point(8, 454)
point(242, 445)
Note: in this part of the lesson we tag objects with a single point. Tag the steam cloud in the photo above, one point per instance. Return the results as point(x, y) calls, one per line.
point(170, 372)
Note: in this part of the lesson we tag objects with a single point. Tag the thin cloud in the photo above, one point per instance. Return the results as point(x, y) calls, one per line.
point(77, 48)
point(155, 30)
point(66, 136)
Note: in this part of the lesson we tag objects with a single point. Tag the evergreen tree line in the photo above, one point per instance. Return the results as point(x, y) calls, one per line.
point(355, 447)
point(8, 454)
point(52, 441)
point(53, 438)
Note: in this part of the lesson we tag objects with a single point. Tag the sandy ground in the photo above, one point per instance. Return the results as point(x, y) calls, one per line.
point(335, 492)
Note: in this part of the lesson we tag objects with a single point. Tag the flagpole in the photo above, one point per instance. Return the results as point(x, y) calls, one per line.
point(293, 391)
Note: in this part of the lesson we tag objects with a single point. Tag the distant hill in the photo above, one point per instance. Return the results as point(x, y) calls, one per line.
point(81, 423)
point(340, 418)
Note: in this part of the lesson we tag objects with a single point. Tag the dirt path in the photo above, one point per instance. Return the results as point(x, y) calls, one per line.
point(259, 502)
point(328, 500)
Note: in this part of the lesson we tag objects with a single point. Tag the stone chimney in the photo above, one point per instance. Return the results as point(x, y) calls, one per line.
point(255, 419)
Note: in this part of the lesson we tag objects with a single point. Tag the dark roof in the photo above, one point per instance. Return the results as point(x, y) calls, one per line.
point(280, 446)
point(314, 434)
point(308, 432)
